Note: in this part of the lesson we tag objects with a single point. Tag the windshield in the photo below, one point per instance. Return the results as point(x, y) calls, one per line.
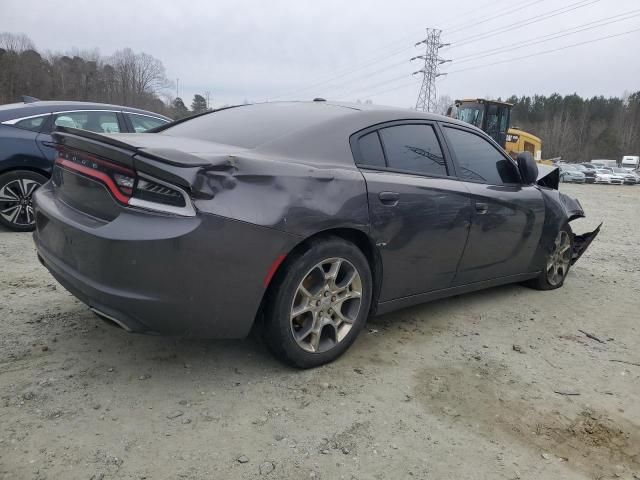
point(473, 114)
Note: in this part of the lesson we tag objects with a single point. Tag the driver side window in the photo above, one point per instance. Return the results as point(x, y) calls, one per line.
point(479, 160)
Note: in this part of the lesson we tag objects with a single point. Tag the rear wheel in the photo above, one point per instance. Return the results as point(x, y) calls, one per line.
point(319, 304)
point(557, 263)
point(16, 199)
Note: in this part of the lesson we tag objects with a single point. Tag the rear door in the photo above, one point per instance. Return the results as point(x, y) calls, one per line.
point(18, 146)
point(507, 216)
point(419, 212)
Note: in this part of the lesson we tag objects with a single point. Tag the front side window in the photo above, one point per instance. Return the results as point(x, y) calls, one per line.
point(33, 124)
point(413, 148)
point(143, 123)
point(479, 160)
point(94, 121)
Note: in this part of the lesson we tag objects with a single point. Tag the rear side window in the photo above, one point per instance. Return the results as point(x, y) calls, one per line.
point(371, 150)
point(479, 160)
point(414, 148)
point(34, 124)
point(142, 123)
point(94, 121)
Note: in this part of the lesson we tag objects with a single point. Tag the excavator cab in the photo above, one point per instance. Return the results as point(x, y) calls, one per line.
point(488, 115)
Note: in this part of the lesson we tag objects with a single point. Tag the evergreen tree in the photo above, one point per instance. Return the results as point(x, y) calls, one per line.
point(199, 104)
point(180, 110)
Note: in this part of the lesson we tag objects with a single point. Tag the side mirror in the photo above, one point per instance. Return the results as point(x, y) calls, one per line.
point(528, 168)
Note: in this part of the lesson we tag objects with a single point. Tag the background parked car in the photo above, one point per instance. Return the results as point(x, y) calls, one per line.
point(606, 175)
point(589, 173)
point(27, 150)
point(570, 173)
point(629, 178)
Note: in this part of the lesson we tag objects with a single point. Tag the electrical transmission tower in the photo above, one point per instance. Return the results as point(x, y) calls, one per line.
point(427, 96)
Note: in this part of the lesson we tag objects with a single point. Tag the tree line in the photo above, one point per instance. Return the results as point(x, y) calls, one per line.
point(571, 127)
point(581, 129)
point(124, 78)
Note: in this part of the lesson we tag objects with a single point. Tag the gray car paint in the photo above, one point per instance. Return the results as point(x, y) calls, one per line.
point(205, 276)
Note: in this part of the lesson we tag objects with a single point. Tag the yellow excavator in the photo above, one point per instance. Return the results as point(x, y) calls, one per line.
point(494, 118)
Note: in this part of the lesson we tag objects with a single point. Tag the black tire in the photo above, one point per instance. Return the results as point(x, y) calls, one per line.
point(543, 281)
point(18, 214)
point(278, 328)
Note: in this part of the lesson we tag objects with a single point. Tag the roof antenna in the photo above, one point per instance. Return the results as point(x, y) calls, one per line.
point(28, 99)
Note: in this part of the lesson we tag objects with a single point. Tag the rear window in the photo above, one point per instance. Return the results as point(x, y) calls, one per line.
point(34, 123)
point(251, 125)
point(143, 123)
point(371, 150)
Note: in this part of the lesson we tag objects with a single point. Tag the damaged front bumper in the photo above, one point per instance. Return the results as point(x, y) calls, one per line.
point(562, 209)
point(582, 242)
point(574, 210)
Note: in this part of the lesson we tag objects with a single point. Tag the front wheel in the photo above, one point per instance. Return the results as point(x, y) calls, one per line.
point(16, 199)
point(557, 263)
point(319, 303)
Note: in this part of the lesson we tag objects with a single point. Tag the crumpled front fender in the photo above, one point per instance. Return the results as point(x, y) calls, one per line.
point(560, 210)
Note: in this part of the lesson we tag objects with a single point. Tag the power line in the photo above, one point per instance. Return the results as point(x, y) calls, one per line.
point(472, 12)
point(516, 7)
point(339, 86)
point(548, 37)
point(379, 84)
point(346, 72)
point(522, 23)
point(544, 52)
point(397, 87)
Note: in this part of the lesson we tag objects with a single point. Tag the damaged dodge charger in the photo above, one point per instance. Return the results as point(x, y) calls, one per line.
point(307, 217)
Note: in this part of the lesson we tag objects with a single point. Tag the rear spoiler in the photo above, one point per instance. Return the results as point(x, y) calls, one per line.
point(173, 166)
point(92, 142)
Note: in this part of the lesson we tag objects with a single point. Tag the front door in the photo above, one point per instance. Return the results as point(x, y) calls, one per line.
point(507, 216)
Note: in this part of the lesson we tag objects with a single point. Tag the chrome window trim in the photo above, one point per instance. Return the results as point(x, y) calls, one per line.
point(146, 115)
point(187, 211)
point(16, 120)
point(85, 110)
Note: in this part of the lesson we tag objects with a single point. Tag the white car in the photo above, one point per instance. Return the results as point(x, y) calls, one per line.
point(604, 175)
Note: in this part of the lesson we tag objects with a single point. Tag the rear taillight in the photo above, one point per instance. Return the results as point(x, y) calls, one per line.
point(113, 176)
point(127, 186)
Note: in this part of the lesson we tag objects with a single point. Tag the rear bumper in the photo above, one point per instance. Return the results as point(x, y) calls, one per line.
point(201, 276)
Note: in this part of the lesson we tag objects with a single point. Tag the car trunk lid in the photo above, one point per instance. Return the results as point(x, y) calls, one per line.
point(94, 173)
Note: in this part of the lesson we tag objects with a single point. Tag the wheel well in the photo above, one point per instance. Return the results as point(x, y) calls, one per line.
point(27, 168)
point(360, 239)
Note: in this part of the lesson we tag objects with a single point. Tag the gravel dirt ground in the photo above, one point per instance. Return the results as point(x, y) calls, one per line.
point(499, 384)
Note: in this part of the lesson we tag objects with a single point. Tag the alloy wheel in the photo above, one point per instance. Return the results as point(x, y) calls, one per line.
point(16, 201)
point(559, 260)
point(326, 305)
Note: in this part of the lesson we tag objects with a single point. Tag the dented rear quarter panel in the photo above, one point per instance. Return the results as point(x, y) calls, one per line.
point(297, 198)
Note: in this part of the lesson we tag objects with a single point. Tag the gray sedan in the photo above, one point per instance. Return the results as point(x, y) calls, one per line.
point(304, 217)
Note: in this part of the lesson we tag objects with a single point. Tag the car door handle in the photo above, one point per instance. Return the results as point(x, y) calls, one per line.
point(389, 198)
point(482, 208)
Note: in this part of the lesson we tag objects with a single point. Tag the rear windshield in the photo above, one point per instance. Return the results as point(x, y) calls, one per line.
point(251, 125)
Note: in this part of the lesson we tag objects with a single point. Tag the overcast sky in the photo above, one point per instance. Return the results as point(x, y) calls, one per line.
point(257, 50)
